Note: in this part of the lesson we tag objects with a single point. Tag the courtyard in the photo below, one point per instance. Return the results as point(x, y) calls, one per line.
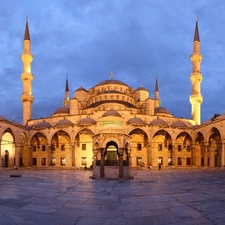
point(70, 197)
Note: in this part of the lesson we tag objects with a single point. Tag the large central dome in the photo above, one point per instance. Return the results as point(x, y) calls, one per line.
point(111, 81)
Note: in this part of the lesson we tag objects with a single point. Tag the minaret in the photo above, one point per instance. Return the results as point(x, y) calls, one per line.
point(27, 98)
point(157, 100)
point(67, 95)
point(196, 78)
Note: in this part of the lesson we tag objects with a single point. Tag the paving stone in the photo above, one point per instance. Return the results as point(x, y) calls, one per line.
point(64, 197)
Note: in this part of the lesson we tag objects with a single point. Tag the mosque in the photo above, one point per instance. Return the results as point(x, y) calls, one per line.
point(112, 124)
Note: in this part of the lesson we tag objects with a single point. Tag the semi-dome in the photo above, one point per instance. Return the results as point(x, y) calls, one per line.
point(64, 122)
point(158, 122)
point(111, 82)
point(161, 110)
point(87, 121)
point(141, 89)
point(136, 121)
point(62, 110)
point(81, 89)
point(2, 118)
point(42, 125)
point(179, 124)
point(111, 112)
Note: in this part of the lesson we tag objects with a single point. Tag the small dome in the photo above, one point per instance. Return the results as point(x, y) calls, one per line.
point(42, 125)
point(141, 89)
point(87, 121)
point(158, 122)
point(207, 122)
point(81, 89)
point(16, 123)
point(221, 117)
point(195, 127)
point(27, 127)
point(136, 121)
point(64, 122)
point(62, 110)
point(179, 124)
point(161, 110)
point(111, 113)
point(2, 118)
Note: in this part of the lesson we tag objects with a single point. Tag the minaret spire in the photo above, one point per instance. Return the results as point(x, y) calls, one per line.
point(26, 32)
point(196, 36)
point(157, 100)
point(67, 94)
point(196, 78)
point(27, 77)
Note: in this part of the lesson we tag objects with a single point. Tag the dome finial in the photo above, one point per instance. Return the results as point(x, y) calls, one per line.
point(111, 75)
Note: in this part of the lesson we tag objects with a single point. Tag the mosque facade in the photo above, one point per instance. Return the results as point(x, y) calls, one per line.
point(112, 121)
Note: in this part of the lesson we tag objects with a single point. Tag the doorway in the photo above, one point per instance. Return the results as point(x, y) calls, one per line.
point(6, 159)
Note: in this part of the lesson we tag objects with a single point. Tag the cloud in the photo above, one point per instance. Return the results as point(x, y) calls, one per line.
point(137, 40)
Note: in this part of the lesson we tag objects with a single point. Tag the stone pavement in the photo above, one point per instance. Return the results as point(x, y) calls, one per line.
point(68, 197)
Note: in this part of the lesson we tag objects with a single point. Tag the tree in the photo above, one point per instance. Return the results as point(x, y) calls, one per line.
point(215, 115)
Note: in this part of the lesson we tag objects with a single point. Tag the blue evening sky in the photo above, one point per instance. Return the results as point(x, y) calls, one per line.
point(136, 39)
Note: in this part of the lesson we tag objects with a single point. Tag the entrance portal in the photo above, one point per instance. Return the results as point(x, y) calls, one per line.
point(114, 163)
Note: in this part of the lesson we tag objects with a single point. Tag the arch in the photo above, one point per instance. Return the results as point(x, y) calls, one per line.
point(9, 130)
point(83, 148)
point(82, 131)
point(215, 148)
point(201, 154)
point(184, 139)
point(8, 148)
point(164, 138)
point(56, 139)
point(139, 147)
point(199, 138)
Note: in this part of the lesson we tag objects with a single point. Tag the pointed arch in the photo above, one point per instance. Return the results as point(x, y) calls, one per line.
point(201, 156)
point(215, 147)
point(83, 144)
point(8, 148)
point(139, 147)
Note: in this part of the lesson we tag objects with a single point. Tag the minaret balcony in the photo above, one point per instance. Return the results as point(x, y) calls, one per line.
point(27, 98)
point(25, 76)
point(196, 98)
point(196, 57)
point(27, 57)
point(196, 76)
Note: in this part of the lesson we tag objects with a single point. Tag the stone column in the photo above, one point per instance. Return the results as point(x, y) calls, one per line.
point(148, 153)
point(17, 156)
point(222, 164)
point(193, 162)
point(30, 149)
point(211, 158)
point(206, 155)
point(120, 163)
point(49, 151)
point(0, 154)
point(73, 155)
point(102, 162)
point(174, 161)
